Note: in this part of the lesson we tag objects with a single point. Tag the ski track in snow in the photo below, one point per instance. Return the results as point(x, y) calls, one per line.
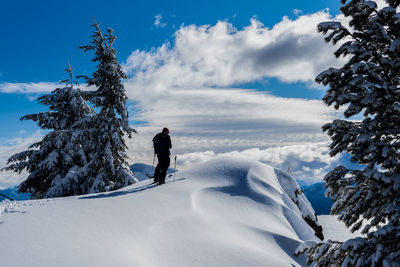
point(229, 212)
point(8, 206)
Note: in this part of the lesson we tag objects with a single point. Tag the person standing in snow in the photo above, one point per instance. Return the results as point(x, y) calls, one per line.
point(162, 145)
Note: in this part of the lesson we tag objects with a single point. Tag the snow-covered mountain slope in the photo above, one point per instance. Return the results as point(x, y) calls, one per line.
point(227, 212)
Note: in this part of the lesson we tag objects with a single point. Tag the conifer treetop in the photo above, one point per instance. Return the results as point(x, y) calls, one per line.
point(70, 82)
point(110, 95)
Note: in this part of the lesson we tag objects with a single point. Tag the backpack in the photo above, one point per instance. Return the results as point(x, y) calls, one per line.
point(159, 143)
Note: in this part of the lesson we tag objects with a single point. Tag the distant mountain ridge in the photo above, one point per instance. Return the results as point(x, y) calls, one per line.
point(12, 192)
point(315, 193)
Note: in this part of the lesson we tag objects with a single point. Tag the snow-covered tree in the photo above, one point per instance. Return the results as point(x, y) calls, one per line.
point(107, 168)
point(54, 163)
point(367, 87)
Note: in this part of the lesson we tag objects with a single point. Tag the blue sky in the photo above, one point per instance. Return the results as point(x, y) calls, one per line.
point(41, 36)
point(229, 77)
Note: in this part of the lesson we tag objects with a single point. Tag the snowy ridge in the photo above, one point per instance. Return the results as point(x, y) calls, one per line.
point(297, 196)
point(226, 212)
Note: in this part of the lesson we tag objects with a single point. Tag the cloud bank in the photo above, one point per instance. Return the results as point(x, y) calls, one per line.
point(307, 162)
point(209, 122)
point(9, 148)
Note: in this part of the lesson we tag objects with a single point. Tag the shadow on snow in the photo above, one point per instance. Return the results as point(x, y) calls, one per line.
point(126, 192)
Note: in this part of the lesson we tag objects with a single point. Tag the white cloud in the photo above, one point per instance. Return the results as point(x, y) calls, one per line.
point(9, 148)
point(231, 109)
point(28, 88)
point(208, 122)
point(307, 162)
point(158, 22)
point(297, 12)
point(222, 55)
point(34, 88)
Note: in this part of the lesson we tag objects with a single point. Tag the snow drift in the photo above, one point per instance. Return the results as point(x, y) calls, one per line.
point(226, 212)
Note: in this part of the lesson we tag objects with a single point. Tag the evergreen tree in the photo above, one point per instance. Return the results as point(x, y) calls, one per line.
point(368, 86)
point(107, 168)
point(54, 163)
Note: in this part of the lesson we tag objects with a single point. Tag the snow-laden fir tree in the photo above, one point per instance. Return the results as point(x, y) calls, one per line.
point(366, 86)
point(55, 163)
point(107, 168)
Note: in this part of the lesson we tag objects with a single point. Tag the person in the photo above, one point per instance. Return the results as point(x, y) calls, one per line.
point(162, 144)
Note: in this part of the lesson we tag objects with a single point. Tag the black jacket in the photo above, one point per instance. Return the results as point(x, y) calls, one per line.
point(162, 144)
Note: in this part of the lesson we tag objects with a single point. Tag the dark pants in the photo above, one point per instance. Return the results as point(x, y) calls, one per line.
point(161, 170)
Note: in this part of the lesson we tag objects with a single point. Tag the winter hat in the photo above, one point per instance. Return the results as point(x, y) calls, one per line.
point(165, 130)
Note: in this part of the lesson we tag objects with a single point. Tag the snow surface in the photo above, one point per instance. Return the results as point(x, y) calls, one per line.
point(337, 230)
point(226, 212)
